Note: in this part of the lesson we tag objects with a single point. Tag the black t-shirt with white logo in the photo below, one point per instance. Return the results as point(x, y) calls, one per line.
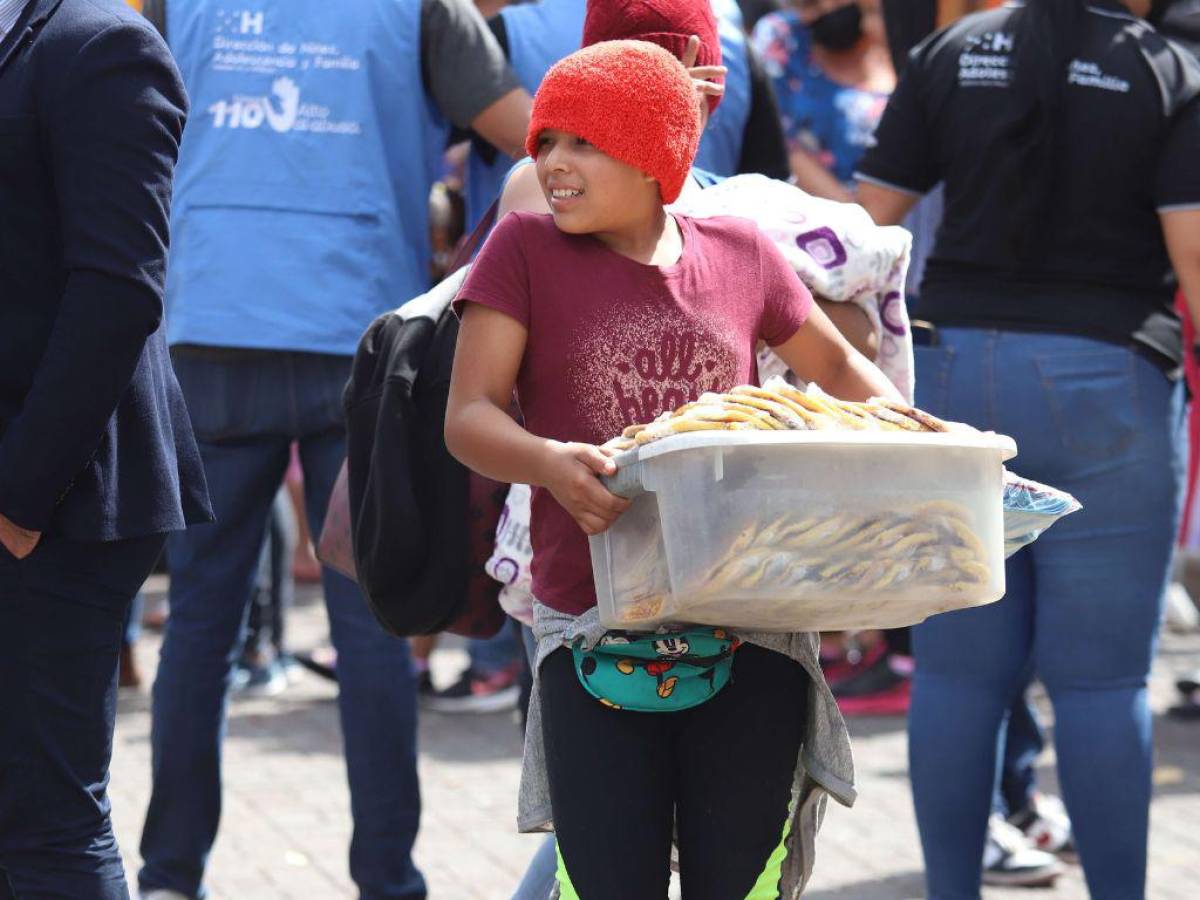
point(1130, 149)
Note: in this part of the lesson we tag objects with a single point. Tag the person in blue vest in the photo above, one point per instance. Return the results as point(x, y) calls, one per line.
point(301, 214)
point(744, 133)
point(97, 457)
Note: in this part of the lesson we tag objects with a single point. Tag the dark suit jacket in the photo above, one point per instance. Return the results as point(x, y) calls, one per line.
point(95, 441)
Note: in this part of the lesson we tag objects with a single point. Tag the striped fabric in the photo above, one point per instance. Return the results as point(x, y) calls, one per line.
point(10, 11)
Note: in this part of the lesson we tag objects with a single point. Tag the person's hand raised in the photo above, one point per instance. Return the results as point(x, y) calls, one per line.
point(702, 75)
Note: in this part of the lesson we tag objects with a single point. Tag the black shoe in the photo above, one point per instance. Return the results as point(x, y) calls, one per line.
point(1189, 683)
point(1010, 860)
point(425, 685)
point(474, 693)
point(1188, 711)
point(875, 677)
point(321, 661)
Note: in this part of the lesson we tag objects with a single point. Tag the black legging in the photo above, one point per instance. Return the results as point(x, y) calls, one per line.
point(722, 771)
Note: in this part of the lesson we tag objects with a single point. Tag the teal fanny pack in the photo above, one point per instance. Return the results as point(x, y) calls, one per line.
point(656, 672)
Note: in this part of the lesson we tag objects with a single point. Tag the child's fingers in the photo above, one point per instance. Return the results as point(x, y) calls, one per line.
point(592, 523)
point(597, 522)
point(691, 51)
point(596, 498)
point(609, 504)
point(707, 73)
point(595, 459)
point(708, 89)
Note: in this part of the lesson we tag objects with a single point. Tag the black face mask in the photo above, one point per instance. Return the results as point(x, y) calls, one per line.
point(840, 29)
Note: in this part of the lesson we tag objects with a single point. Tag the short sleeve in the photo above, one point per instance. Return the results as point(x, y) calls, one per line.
point(465, 69)
point(900, 156)
point(786, 301)
point(499, 278)
point(1177, 182)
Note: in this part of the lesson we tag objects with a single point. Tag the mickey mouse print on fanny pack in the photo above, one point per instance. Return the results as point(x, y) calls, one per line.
point(657, 672)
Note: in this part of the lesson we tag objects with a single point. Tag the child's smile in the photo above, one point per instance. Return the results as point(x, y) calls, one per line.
point(562, 198)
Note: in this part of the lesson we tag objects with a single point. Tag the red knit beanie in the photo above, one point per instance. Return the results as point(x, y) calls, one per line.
point(668, 23)
point(631, 100)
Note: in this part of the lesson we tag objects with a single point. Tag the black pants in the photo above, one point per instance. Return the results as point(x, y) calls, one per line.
point(721, 772)
point(62, 620)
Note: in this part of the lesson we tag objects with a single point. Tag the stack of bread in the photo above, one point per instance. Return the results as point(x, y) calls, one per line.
point(779, 406)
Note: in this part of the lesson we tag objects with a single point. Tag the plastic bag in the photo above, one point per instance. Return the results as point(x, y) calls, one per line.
point(1029, 509)
point(837, 250)
point(511, 561)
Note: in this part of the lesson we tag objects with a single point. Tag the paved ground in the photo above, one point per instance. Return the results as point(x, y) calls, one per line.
point(286, 822)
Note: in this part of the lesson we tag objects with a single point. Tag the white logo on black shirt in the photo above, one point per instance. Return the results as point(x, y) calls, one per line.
point(1089, 74)
point(986, 60)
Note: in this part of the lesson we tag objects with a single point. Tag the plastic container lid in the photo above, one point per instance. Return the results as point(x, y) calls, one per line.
point(981, 440)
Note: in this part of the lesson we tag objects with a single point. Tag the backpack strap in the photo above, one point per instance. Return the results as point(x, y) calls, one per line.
point(467, 249)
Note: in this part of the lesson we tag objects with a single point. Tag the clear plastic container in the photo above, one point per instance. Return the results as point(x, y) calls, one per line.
point(803, 531)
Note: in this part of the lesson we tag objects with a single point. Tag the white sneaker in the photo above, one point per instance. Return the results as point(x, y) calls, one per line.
point(1046, 825)
point(1009, 859)
point(162, 894)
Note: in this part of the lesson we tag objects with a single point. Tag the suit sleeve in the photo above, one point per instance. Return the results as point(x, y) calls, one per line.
point(112, 124)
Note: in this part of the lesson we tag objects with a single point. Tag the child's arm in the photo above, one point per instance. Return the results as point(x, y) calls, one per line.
point(483, 437)
point(818, 352)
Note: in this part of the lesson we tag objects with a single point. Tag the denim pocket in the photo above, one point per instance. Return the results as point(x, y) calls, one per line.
point(1093, 398)
point(933, 367)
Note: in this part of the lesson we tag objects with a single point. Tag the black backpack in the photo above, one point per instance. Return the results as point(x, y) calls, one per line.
point(422, 525)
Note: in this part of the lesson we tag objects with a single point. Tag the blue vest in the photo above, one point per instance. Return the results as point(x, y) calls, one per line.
point(301, 194)
point(721, 145)
point(539, 35)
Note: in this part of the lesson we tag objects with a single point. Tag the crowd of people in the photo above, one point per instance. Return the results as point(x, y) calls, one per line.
point(203, 210)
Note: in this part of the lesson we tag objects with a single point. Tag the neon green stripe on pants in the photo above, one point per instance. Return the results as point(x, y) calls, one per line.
point(765, 888)
point(566, 890)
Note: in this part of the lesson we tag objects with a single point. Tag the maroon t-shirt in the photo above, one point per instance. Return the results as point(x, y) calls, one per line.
point(613, 342)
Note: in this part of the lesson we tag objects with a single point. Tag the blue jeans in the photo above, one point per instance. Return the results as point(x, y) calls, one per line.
point(246, 411)
point(275, 588)
point(541, 875)
point(1082, 607)
point(62, 619)
point(494, 654)
point(1023, 744)
point(133, 619)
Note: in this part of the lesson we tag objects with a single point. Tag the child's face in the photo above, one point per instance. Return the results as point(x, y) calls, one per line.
point(589, 191)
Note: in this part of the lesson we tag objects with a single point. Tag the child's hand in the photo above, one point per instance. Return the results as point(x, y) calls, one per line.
point(702, 75)
point(570, 474)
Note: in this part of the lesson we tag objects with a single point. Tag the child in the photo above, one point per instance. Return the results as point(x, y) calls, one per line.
point(603, 314)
